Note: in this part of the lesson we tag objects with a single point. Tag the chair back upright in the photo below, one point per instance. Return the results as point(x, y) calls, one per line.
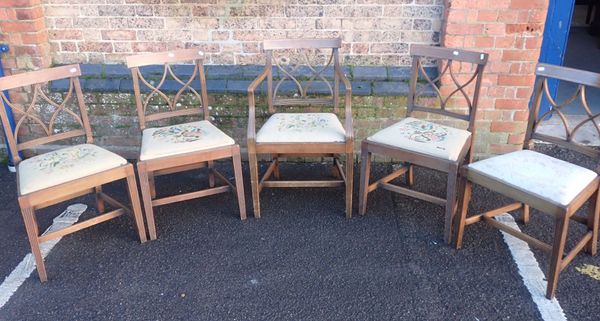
point(160, 87)
point(462, 72)
point(296, 74)
point(581, 80)
point(45, 118)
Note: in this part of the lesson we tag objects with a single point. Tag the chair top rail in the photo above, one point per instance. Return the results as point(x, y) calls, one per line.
point(302, 43)
point(39, 76)
point(167, 57)
point(473, 57)
point(578, 76)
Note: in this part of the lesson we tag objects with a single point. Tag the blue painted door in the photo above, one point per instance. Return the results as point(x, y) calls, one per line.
point(554, 44)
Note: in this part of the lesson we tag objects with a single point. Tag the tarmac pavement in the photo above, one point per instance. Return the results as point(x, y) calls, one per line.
point(303, 260)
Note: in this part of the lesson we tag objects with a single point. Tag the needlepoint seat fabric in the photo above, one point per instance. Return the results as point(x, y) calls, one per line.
point(423, 137)
point(182, 138)
point(64, 165)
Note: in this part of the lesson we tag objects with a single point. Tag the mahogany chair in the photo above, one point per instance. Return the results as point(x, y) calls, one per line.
point(419, 142)
point(181, 146)
point(301, 134)
point(65, 173)
point(533, 179)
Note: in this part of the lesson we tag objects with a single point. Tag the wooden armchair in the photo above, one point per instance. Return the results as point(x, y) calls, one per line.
point(423, 143)
point(67, 172)
point(182, 146)
point(552, 186)
point(301, 134)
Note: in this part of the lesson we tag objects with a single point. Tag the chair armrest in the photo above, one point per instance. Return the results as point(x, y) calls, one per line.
point(252, 103)
point(347, 104)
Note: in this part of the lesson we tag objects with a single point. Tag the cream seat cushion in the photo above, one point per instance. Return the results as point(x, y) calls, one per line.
point(551, 179)
point(423, 137)
point(302, 128)
point(64, 165)
point(182, 138)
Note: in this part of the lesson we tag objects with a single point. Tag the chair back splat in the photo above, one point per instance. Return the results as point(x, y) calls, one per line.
point(460, 68)
point(167, 80)
point(304, 68)
point(581, 79)
point(28, 114)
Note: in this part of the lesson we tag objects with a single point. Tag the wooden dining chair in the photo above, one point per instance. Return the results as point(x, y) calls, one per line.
point(311, 134)
point(533, 179)
point(182, 146)
point(65, 173)
point(423, 143)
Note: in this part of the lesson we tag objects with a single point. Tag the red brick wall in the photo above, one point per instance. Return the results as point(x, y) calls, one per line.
point(511, 32)
point(23, 28)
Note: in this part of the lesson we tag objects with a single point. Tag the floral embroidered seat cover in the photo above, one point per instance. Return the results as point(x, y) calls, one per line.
point(64, 165)
point(182, 138)
point(424, 137)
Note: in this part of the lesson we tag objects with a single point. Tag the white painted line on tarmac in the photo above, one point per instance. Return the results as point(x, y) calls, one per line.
point(16, 278)
point(530, 271)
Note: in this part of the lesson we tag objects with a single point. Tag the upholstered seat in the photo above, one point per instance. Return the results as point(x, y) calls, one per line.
point(64, 165)
point(551, 179)
point(302, 128)
point(181, 139)
point(423, 137)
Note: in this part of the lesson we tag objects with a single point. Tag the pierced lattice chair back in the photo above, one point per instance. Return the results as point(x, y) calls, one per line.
point(459, 78)
point(148, 90)
point(28, 113)
point(303, 70)
point(578, 99)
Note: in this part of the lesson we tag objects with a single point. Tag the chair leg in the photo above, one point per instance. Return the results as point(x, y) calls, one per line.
point(335, 172)
point(450, 203)
point(254, 181)
point(593, 222)
point(147, 199)
point(211, 174)
point(410, 176)
point(33, 235)
point(349, 183)
point(239, 182)
point(525, 213)
point(365, 173)
point(464, 207)
point(152, 185)
point(276, 171)
point(560, 237)
point(136, 208)
point(99, 201)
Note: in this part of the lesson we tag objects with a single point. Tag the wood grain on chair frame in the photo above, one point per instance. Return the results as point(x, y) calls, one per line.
point(303, 97)
point(181, 161)
point(52, 194)
point(562, 213)
point(447, 58)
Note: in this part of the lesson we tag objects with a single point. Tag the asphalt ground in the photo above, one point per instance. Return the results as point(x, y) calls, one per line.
point(303, 260)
